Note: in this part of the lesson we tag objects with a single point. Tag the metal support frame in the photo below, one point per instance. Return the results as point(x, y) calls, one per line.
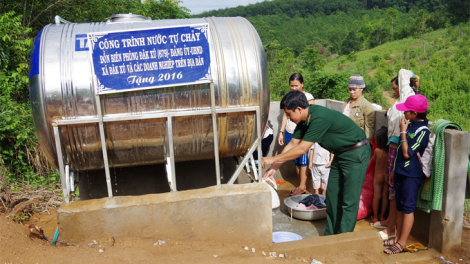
point(260, 153)
point(103, 146)
point(171, 155)
point(244, 161)
point(60, 158)
point(216, 136)
point(67, 181)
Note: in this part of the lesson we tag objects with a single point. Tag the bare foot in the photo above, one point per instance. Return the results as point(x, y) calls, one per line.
point(297, 191)
point(373, 219)
point(384, 222)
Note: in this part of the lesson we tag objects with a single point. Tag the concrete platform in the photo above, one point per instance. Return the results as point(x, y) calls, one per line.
point(363, 244)
point(232, 213)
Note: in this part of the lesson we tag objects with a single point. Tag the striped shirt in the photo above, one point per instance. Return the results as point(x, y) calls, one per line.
point(416, 143)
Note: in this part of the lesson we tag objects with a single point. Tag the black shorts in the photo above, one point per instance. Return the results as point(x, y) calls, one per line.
point(406, 192)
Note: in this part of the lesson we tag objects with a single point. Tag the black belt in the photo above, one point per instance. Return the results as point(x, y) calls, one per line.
point(359, 144)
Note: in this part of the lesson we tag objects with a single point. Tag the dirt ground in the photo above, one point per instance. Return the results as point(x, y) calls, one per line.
point(17, 245)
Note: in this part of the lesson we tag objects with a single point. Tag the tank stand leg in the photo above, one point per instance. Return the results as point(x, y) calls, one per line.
point(254, 167)
point(63, 169)
point(260, 137)
point(244, 161)
point(170, 160)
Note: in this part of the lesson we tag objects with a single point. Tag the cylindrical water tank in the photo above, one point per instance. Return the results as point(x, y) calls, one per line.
point(61, 87)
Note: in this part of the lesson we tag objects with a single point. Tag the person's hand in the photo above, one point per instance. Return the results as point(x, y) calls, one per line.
point(280, 139)
point(404, 124)
point(328, 165)
point(310, 165)
point(390, 180)
point(269, 174)
point(266, 161)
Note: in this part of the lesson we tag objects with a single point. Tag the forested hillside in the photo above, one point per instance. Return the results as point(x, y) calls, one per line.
point(327, 41)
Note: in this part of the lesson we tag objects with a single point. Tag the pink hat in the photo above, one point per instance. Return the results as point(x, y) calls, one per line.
point(416, 103)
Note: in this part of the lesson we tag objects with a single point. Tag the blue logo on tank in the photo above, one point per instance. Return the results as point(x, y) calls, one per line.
point(81, 42)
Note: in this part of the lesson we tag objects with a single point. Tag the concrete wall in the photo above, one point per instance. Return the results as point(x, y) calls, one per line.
point(232, 213)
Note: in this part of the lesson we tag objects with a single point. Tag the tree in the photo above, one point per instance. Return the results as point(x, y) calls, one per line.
point(459, 10)
point(378, 37)
point(38, 13)
point(350, 43)
point(422, 27)
point(311, 59)
point(392, 16)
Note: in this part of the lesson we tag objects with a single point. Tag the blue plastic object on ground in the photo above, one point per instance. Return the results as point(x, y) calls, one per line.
point(282, 236)
point(56, 236)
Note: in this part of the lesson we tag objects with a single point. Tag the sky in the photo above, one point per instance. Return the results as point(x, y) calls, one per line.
point(199, 6)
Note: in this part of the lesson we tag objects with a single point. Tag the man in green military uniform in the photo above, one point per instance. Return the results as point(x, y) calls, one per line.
point(338, 134)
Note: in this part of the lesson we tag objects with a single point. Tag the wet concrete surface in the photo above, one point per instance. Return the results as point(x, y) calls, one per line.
point(283, 222)
point(309, 230)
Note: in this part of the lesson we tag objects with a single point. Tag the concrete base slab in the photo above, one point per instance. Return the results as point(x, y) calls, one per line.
point(423, 256)
point(367, 245)
point(232, 213)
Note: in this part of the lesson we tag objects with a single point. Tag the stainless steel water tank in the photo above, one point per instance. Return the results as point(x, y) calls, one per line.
point(61, 88)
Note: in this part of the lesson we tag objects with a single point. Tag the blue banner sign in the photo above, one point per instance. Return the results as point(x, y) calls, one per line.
point(150, 58)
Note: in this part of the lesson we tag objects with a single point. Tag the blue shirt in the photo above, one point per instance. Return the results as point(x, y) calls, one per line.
point(416, 143)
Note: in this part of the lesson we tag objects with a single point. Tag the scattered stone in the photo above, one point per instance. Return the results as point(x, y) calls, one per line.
point(247, 248)
point(253, 250)
point(159, 243)
point(95, 242)
point(214, 256)
point(91, 245)
point(110, 240)
point(272, 254)
point(101, 250)
point(281, 255)
point(264, 254)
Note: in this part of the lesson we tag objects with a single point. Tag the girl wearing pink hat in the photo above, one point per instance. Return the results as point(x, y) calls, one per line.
point(409, 174)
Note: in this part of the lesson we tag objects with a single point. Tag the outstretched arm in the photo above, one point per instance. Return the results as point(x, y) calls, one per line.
point(282, 130)
point(293, 150)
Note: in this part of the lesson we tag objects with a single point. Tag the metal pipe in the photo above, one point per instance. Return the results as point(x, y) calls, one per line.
point(244, 161)
point(103, 146)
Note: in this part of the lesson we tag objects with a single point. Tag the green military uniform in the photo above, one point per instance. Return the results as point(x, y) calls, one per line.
point(337, 133)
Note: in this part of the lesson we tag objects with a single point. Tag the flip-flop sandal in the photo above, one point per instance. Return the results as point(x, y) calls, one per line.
point(394, 249)
point(411, 248)
point(378, 225)
point(416, 247)
point(372, 219)
point(390, 242)
point(386, 237)
point(420, 246)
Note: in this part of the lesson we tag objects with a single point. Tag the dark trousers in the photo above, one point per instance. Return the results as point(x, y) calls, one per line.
point(347, 174)
point(265, 143)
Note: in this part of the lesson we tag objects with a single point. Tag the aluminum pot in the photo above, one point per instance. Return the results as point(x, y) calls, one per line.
point(292, 201)
point(61, 88)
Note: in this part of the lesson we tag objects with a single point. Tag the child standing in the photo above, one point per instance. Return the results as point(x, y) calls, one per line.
point(380, 175)
point(319, 163)
point(409, 174)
